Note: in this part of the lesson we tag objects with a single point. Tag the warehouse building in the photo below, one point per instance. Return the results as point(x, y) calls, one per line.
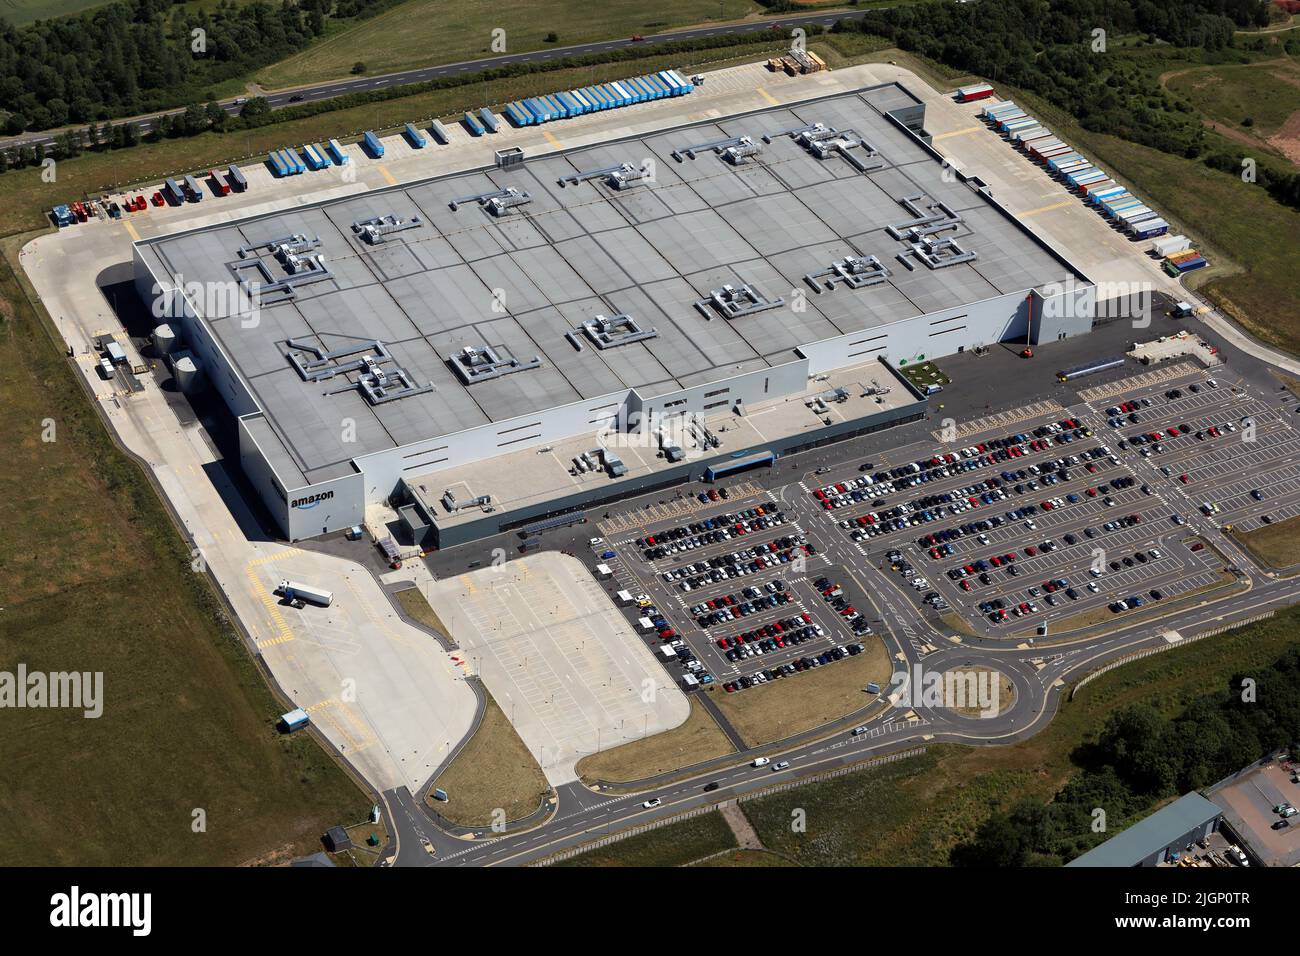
point(1160, 838)
point(486, 349)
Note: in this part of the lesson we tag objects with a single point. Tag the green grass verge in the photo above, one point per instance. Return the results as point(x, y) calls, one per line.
point(94, 578)
point(493, 772)
point(1277, 544)
point(673, 845)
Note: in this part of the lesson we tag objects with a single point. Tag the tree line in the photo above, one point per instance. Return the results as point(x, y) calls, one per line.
point(136, 56)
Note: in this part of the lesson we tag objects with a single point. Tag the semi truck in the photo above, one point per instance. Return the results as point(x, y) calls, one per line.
point(297, 594)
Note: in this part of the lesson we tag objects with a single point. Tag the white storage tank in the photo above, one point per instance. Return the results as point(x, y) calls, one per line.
point(186, 369)
point(165, 340)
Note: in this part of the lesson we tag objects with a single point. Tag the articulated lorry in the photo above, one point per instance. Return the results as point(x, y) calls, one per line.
point(298, 594)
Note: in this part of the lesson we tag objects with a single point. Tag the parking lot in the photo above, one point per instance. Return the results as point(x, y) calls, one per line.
point(1077, 515)
point(730, 587)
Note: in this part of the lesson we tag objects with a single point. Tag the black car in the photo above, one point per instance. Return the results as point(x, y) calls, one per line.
point(710, 787)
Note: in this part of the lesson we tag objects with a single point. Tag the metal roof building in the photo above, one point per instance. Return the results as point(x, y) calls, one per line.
point(1149, 842)
point(697, 270)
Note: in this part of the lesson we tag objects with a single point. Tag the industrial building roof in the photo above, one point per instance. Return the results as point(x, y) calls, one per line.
point(1152, 834)
point(520, 281)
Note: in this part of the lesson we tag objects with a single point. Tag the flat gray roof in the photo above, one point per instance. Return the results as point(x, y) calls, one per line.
point(1152, 834)
point(520, 282)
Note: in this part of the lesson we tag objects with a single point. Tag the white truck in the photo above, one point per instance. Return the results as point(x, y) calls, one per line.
point(296, 594)
point(603, 571)
point(624, 597)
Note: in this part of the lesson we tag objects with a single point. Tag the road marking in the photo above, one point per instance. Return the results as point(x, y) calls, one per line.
point(135, 236)
point(387, 175)
point(1049, 208)
point(767, 96)
point(552, 140)
point(958, 132)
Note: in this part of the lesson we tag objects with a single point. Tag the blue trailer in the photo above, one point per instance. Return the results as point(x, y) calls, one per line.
point(173, 192)
point(536, 109)
point(295, 160)
point(373, 146)
point(489, 120)
point(603, 100)
point(621, 96)
point(571, 106)
point(683, 83)
point(193, 190)
point(235, 177)
point(336, 153)
point(63, 216)
point(558, 109)
point(1150, 229)
point(314, 158)
point(512, 114)
point(414, 137)
point(277, 164)
point(670, 81)
point(474, 127)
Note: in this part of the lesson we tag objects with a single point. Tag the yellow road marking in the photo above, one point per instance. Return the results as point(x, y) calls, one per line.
point(552, 140)
point(767, 96)
point(135, 236)
point(284, 633)
point(958, 132)
point(1055, 205)
point(387, 175)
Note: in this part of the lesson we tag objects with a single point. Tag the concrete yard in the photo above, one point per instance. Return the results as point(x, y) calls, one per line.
point(559, 657)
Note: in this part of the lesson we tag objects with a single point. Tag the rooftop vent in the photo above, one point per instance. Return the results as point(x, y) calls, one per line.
point(609, 331)
point(474, 364)
point(376, 230)
point(733, 302)
point(498, 202)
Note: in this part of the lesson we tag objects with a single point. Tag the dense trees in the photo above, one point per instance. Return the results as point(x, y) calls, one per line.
point(1142, 757)
point(141, 55)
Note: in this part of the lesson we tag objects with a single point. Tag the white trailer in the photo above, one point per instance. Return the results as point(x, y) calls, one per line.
point(1169, 245)
point(603, 571)
point(645, 625)
point(624, 598)
point(294, 591)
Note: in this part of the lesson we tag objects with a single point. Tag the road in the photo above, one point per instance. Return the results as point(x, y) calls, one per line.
point(369, 84)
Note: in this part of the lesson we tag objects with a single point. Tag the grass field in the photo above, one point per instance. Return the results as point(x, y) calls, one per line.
point(806, 700)
point(745, 858)
point(673, 845)
point(1277, 545)
point(493, 771)
point(94, 579)
point(1267, 93)
point(696, 740)
point(22, 12)
point(426, 32)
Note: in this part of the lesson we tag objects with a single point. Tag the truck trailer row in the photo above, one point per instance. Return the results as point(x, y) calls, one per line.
point(543, 109)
